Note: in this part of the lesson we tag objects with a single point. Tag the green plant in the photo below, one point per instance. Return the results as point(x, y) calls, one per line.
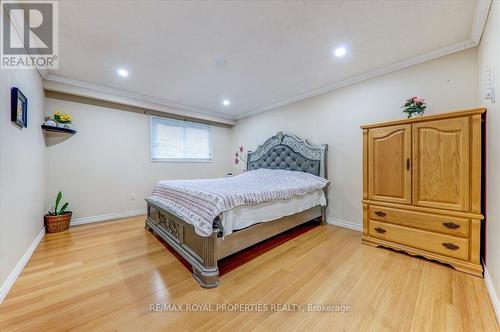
point(414, 105)
point(62, 209)
point(62, 117)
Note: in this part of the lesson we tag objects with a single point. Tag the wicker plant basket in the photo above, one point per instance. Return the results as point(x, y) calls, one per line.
point(56, 224)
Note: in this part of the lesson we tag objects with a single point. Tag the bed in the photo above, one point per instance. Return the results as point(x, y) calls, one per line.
point(235, 213)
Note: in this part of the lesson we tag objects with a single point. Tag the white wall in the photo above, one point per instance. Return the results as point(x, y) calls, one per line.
point(489, 56)
point(23, 170)
point(447, 83)
point(108, 159)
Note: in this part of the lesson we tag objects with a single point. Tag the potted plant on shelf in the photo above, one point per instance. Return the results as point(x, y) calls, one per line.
point(58, 221)
point(63, 120)
point(414, 107)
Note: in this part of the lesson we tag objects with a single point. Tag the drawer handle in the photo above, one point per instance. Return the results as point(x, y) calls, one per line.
point(450, 246)
point(380, 213)
point(380, 230)
point(451, 225)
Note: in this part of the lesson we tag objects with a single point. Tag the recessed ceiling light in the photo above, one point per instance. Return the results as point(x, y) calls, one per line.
point(340, 52)
point(123, 72)
point(226, 102)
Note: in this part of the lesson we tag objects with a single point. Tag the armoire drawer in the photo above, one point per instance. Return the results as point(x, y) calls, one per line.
point(438, 243)
point(433, 222)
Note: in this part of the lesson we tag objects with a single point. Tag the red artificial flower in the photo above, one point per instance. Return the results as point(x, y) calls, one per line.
point(236, 161)
point(241, 148)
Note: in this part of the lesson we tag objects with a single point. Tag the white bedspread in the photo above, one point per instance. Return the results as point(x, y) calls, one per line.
point(247, 215)
point(198, 202)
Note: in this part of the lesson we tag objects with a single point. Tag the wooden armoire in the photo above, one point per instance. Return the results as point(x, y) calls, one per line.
point(422, 182)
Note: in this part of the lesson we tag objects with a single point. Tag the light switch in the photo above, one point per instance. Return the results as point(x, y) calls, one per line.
point(489, 84)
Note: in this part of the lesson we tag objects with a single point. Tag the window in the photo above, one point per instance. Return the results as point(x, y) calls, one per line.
point(177, 140)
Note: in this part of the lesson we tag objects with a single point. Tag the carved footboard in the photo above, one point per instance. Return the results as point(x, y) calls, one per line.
point(204, 252)
point(199, 251)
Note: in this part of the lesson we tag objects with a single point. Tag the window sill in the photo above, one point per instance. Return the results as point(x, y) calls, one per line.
point(176, 161)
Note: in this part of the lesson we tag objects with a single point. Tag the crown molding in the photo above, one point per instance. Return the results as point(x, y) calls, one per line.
point(56, 83)
point(367, 75)
point(479, 21)
point(66, 85)
point(478, 24)
point(83, 89)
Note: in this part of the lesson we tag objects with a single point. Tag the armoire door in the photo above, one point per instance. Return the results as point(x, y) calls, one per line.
point(389, 174)
point(441, 164)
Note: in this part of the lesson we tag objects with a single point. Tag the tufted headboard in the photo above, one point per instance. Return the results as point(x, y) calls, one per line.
point(285, 151)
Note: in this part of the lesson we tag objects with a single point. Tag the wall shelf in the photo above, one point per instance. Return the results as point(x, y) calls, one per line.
point(50, 129)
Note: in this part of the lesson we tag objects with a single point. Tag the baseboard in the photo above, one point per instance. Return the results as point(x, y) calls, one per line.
point(344, 224)
point(109, 216)
point(493, 294)
point(7, 285)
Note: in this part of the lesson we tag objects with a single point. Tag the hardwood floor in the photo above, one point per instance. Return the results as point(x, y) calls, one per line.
point(105, 277)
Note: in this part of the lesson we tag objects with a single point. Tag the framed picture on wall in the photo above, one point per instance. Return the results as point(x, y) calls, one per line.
point(18, 108)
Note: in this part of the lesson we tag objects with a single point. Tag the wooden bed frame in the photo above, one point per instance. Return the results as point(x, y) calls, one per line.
point(282, 151)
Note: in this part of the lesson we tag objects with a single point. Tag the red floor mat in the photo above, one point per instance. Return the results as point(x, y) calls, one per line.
point(235, 260)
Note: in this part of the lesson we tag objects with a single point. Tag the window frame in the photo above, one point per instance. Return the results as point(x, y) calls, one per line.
point(179, 160)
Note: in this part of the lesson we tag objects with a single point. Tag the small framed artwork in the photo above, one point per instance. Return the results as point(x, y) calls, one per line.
point(18, 108)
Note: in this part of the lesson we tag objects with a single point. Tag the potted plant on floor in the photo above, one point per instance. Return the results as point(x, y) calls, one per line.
point(58, 221)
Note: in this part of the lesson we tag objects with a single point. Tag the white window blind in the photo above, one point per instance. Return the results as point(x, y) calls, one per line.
point(177, 140)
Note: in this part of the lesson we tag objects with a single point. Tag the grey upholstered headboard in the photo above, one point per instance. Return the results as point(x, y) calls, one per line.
point(285, 151)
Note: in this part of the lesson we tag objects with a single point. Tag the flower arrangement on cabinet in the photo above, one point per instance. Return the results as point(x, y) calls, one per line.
point(414, 107)
point(59, 119)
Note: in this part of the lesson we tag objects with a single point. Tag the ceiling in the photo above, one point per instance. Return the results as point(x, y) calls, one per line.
point(275, 52)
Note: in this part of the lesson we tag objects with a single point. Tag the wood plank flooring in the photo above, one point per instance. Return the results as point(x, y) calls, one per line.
point(105, 276)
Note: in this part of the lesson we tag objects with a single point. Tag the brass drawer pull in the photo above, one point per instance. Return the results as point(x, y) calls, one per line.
point(450, 246)
point(380, 230)
point(451, 225)
point(380, 213)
